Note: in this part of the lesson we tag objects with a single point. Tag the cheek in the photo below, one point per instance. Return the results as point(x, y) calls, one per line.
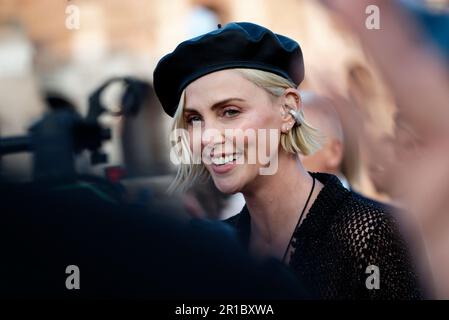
point(260, 135)
point(196, 147)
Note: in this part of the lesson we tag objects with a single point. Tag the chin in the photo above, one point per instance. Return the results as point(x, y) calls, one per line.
point(227, 187)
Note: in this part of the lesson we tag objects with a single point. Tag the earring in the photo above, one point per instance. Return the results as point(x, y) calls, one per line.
point(295, 115)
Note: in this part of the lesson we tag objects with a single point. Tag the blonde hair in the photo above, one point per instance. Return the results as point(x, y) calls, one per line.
point(301, 139)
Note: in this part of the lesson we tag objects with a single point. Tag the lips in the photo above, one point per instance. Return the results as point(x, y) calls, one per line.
point(223, 159)
point(224, 163)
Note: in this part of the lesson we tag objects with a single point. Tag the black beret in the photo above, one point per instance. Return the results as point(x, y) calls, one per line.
point(236, 45)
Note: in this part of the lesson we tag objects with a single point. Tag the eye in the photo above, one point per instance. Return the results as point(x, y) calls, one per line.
point(229, 113)
point(191, 118)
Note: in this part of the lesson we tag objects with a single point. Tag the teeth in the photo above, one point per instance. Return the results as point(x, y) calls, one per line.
point(222, 160)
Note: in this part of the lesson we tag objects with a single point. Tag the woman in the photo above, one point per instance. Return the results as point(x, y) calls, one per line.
point(244, 78)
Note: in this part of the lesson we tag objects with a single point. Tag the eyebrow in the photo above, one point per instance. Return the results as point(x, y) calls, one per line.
point(217, 105)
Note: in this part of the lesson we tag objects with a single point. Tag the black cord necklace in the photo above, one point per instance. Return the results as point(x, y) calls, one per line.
point(300, 218)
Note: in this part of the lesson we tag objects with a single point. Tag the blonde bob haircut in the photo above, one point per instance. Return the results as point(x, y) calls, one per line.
point(301, 139)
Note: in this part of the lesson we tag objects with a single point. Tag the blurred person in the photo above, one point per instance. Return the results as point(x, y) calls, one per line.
point(416, 50)
point(366, 114)
point(321, 114)
point(376, 132)
point(122, 251)
point(409, 61)
point(143, 131)
point(243, 76)
point(204, 200)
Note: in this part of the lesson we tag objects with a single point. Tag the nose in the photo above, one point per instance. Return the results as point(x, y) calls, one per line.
point(211, 135)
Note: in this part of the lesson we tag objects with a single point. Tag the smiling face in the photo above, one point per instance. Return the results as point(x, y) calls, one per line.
point(226, 105)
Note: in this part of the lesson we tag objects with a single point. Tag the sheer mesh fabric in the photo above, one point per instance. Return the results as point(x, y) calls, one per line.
point(341, 236)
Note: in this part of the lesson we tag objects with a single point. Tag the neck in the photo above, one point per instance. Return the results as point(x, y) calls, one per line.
point(275, 203)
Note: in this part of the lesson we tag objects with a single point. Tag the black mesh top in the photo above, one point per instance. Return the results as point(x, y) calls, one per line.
point(341, 236)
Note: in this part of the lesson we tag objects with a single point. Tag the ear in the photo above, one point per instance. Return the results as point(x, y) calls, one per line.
point(335, 156)
point(290, 100)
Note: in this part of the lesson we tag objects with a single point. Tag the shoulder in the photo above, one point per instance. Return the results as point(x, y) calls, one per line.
point(371, 236)
point(366, 215)
point(365, 224)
